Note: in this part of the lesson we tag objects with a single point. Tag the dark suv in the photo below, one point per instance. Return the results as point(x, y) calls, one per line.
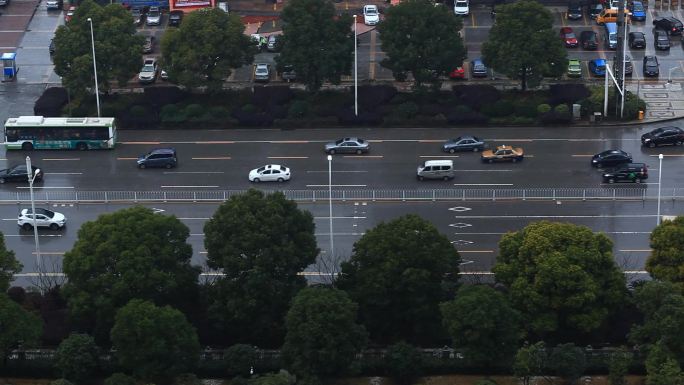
point(670, 24)
point(637, 40)
point(159, 157)
point(629, 172)
point(589, 40)
point(175, 18)
point(663, 136)
point(574, 10)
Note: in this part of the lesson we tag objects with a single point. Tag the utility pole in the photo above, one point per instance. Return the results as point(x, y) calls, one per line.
point(620, 57)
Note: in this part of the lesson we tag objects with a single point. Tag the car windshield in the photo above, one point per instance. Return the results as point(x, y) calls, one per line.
point(148, 68)
point(370, 11)
point(47, 213)
point(260, 169)
point(461, 4)
point(638, 8)
point(135, 12)
point(154, 13)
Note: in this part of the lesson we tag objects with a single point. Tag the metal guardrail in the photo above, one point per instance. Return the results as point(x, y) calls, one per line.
point(616, 193)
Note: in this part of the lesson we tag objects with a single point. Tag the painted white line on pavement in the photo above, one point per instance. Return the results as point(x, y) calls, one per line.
point(340, 171)
point(484, 170)
point(193, 219)
point(193, 172)
point(483, 184)
point(438, 156)
point(336, 185)
point(213, 158)
point(364, 156)
point(43, 187)
point(551, 216)
point(475, 251)
point(31, 235)
point(63, 173)
point(605, 232)
point(189, 186)
point(340, 218)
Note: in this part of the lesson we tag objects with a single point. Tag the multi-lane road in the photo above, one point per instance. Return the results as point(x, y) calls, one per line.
point(220, 160)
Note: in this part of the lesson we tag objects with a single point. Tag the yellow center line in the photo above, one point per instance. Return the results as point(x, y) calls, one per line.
point(61, 159)
point(213, 158)
point(140, 142)
point(288, 157)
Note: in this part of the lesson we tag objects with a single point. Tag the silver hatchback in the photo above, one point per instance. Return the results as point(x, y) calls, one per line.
point(348, 146)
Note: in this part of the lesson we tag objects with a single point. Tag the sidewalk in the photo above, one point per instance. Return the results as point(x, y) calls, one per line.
point(664, 101)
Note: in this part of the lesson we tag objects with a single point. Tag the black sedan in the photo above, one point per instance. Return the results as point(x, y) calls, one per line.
point(669, 24)
point(651, 66)
point(663, 136)
point(18, 174)
point(637, 40)
point(347, 145)
point(610, 158)
point(464, 143)
point(661, 40)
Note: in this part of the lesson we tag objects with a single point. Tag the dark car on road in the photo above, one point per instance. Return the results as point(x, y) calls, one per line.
point(159, 157)
point(574, 10)
point(175, 18)
point(661, 40)
point(348, 146)
point(670, 24)
point(663, 136)
point(637, 40)
point(651, 66)
point(628, 172)
point(610, 158)
point(464, 143)
point(589, 40)
point(18, 174)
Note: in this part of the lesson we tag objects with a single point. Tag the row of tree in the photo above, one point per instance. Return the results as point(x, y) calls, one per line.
point(419, 39)
point(131, 287)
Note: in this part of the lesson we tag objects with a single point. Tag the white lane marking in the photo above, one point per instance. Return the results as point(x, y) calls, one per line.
point(484, 170)
point(126, 158)
point(483, 184)
point(31, 235)
point(336, 185)
point(668, 155)
point(189, 186)
point(613, 184)
point(43, 187)
point(193, 172)
point(552, 216)
point(326, 171)
point(213, 158)
point(605, 232)
point(439, 156)
point(193, 219)
point(288, 157)
point(63, 173)
point(61, 159)
point(364, 156)
point(340, 218)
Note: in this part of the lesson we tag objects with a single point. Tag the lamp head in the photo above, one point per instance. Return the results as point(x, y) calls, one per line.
point(329, 158)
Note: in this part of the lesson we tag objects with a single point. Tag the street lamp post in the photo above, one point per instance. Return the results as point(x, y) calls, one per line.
point(31, 178)
point(97, 91)
point(332, 245)
point(660, 174)
point(356, 75)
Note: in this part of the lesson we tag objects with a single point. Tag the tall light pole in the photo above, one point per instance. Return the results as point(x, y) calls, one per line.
point(660, 175)
point(356, 74)
point(332, 245)
point(31, 178)
point(97, 91)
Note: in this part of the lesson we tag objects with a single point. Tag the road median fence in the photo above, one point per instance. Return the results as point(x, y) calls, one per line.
point(312, 196)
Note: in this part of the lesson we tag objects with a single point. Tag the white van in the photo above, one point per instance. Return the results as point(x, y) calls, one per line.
point(436, 169)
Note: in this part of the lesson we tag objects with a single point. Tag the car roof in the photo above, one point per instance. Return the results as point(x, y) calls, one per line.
point(599, 61)
point(164, 150)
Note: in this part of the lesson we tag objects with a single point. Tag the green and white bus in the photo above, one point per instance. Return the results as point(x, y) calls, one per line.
point(40, 133)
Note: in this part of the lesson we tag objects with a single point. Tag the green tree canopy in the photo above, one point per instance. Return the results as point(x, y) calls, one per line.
point(77, 358)
point(561, 277)
point(119, 379)
point(663, 308)
point(661, 367)
point(618, 366)
point(260, 242)
point(568, 362)
point(523, 43)
point(398, 273)
point(482, 322)
point(206, 47)
point(154, 343)
point(131, 253)
point(404, 363)
point(666, 261)
point(240, 359)
point(117, 48)
point(422, 40)
point(322, 334)
point(18, 327)
point(530, 361)
point(9, 265)
point(316, 42)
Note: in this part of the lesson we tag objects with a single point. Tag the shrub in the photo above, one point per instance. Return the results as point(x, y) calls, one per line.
point(61, 381)
point(240, 359)
point(272, 95)
point(568, 93)
point(499, 108)
point(119, 379)
point(347, 117)
point(250, 108)
point(162, 95)
point(561, 109)
point(553, 117)
point(522, 121)
point(404, 363)
point(219, 112)
point(432, 109)
point(405, 111)
point(299, 109)
point(138, 111)
point(471, 117)
point(543, 108)
point(172, 113)
point(400, 97)
point(476, 96)
point(50, 103)
point(486, 381)
point(526, 109)
point(194, 111)
point(278, 111)
point(77, 358)
point(372, 96)
point(253, 119)
point(632, 106)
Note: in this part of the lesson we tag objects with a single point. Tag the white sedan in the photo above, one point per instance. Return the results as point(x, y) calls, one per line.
point(44, 218)
point(270, 173)
point(371, 15)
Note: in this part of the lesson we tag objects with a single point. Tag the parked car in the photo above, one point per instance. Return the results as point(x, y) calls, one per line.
point(598, 67)
point(637, 40)
point(158, 157)
point(651, 66)
point(457, 73)
point(153, 16)
point(595, 10)
point(574, 10)
point(638, 11)
point(610, 158)
point(670, 24)
point(628, 172)
point(262, 72)
point(44, 218)
point(18, 173)
point(272, 45)
point(270, 173)
point(54, 4)
point(163, 75)
point(4, 2)
point(629, 67)
point(148, 44)
point(70, 13)
point(574, 68)
point(663, 136)
point(478, 69)
point(462, 7)
point(138, 15)
point(148, 73)
point(175, 18)
point(51, 47)
point(569, 37)
point(589, 40)
point(661, 40)
point(223, 5)
point(288, 73)
point(464, 143)
point(502, 154)
point(371, 15)
point(348, 146)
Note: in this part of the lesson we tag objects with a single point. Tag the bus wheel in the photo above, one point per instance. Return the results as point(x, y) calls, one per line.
point(27, 146)
point(81, 146)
